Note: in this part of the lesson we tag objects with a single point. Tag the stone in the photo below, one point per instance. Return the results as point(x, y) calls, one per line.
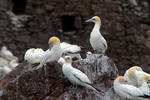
point(25, 83)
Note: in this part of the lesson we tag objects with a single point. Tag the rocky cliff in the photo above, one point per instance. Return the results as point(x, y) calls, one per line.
point(48, 83)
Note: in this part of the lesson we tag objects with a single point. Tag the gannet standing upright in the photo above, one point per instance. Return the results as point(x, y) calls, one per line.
point(76, 76)
point(127, 91)
point(52, 54)
point(97, 41)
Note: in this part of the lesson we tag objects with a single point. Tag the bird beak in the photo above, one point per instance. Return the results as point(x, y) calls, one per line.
point(90, 20)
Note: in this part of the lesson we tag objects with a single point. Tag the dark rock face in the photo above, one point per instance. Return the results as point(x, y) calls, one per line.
point(48, 83)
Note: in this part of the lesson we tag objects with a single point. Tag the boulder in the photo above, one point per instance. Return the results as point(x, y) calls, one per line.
point(49, 83)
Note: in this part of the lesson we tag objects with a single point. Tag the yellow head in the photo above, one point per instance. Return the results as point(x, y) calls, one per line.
point(137, 68)
point(121, 79)
point(146, 78)
point(33, 50)
point(6, 63)
point(4, 48)
point(95, 19)
point(54, 40)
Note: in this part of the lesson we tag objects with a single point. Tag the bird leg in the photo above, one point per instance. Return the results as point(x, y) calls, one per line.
point(74, 88)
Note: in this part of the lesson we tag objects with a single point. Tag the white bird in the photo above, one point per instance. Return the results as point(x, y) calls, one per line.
point(134, 75)
point(71, 50)
point(61, 61)
point(145, 87)
point(51, 55)
point(127, 91)
point(6, 53)
point(33, 55)
point(13, 63)
point(76, 76)
point(97, 41)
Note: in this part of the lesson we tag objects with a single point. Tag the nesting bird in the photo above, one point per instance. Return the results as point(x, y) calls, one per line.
point(71, 50)
point(127, 91)
point(134, 75)
point(33, 55)
point(75, 76)
point(145, 86)
point(6, 53)
point(52, 54)
point(97, 41)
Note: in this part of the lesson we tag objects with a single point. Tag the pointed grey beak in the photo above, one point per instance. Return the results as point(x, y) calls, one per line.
point(90, 20)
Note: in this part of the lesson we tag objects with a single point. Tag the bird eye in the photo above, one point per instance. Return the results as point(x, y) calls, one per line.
point(93, 19)
point(148, 81)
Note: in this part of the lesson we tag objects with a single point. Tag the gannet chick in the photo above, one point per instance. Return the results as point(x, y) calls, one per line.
point(134, 75)
point(97, 41)
point(33, 55)
point(6, 53)
point(75, 76)
point(145, 86)
point(13, 63)
point(53, 54)
point(127, 91)
point(88, 54)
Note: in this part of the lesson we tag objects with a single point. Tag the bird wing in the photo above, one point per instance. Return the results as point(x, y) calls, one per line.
point(132, 90)
point(70, 48)
point(81, 76)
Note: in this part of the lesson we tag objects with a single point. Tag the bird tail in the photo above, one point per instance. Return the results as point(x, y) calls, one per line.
point(145, 96)
point(90, 86)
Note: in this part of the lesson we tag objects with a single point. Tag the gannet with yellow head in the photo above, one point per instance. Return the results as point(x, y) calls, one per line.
point(33, 55)
point(127, 91)
point(97, 41)
point(134, 75)
point(6, 53)
point(53, 54)
point(145, 86)
point(75, 76)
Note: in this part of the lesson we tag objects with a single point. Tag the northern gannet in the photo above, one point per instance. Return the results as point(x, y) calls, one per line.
point(70, 50)
point(52, 54)
point(134, 75)
point(75, 76)
point(145, 86)
point(13, 63)
point(97, 41)
point(33, 55)
point(6, 53)
point(127, 91)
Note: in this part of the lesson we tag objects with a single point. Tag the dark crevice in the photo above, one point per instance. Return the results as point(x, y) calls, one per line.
point(68, 23)
point(19, 6)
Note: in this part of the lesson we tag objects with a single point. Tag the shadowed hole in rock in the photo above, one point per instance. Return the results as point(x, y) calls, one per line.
point(19, 6)
point(68, 23)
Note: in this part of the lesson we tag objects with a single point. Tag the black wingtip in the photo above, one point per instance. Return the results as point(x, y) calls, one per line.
point(35, 64)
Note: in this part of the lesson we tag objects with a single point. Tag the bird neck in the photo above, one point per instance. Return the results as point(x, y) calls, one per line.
point(97, 26)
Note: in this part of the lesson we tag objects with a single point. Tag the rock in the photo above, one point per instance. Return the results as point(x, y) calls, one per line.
point(48, 83)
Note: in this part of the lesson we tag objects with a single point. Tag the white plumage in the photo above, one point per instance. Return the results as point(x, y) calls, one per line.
point(6, 53)
point(145, 86)
point(134, 75)
point(97, 41)
point(34, 55)
point(51, 55)
point(125, 90)
point(76, 76)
